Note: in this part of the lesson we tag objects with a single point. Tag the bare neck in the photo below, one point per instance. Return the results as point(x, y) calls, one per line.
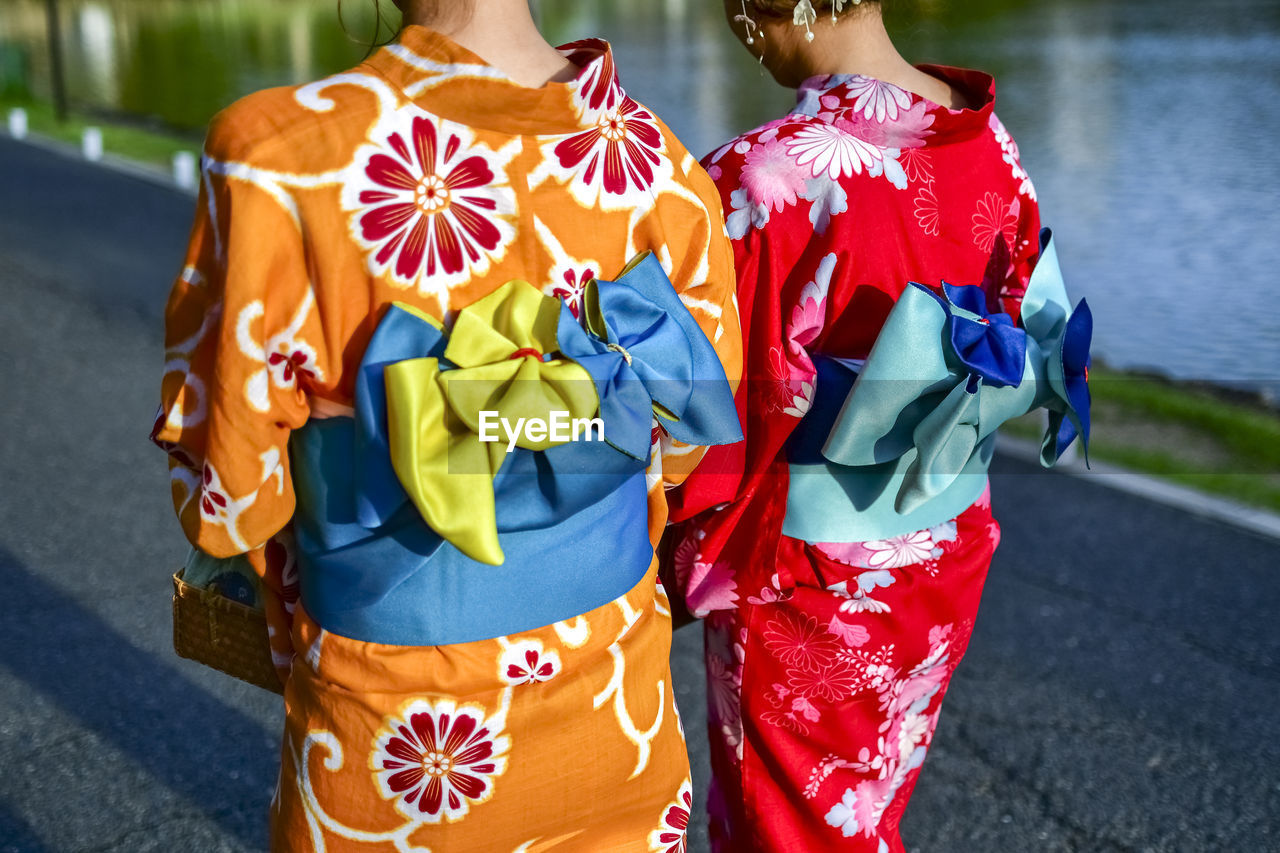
point(502, 33)
point(857, 44)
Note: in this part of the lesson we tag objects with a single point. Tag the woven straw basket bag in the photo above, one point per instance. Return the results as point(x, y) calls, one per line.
point(231, 637)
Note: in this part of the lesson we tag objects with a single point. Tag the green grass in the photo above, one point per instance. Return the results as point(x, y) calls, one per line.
point(1196, 437)
point(152, 147)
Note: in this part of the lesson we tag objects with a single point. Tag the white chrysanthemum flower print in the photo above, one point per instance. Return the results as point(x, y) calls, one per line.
point(899, 551)
point(994, 218)
point(438, 759)
point(801, 401)
point(1010, 155)
point(829, 151)
point(927, 211)
point(877, 99)
point(834, 151)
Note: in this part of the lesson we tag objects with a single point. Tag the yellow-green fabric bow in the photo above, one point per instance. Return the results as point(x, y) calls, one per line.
point(498, 359)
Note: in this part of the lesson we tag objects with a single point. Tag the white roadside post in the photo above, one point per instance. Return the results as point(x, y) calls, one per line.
point(18, 123)
point(91, 144)
point(184, 170)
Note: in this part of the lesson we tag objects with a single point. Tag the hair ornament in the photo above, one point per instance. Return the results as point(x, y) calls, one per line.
point(837, 6)
point(804, 16)
point(749, 23)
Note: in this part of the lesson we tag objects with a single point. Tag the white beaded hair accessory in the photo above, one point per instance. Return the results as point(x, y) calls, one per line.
point(750, 24)
point(805, 15)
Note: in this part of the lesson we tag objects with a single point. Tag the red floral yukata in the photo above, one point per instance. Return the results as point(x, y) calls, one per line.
point(827, 662)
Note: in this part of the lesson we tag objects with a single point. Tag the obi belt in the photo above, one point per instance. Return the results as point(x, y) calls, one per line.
point(902, 441)
point(424, 519)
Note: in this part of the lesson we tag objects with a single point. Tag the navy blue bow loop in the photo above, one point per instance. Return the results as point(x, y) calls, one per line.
point(1065, 336)
point(988, 344)
point(1069, 378)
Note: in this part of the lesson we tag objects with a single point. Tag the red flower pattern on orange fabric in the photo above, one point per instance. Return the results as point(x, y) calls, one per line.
point(621, 150)
point(438, 759)
point(670, 837)
point(425, 211)
point(290, 363)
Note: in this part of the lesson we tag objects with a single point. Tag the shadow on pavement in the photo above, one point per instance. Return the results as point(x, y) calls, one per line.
point(16, 836)
point(201, 748)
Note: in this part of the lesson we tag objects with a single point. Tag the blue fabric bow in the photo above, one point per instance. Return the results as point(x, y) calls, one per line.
point(930, 397)
point(647, 356)
point(359, 533)
point(989, 344)
point(1066, 335)
point(402, 334)
point(1069, 377)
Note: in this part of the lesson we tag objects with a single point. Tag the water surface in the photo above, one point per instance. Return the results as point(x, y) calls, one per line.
point(1149, 127)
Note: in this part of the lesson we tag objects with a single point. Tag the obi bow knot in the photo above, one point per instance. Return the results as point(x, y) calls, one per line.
point(426, 412)
point(1067, 335)
point(492, 363)
point(648, 359)
point(945, 373)
point(427, 402)
point(989, 344)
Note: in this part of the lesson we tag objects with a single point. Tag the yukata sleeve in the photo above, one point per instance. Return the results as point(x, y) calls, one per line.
point(782, 302)
point(1026, 252)
point(243, 347)
point(703, 277)
point(1025, 249)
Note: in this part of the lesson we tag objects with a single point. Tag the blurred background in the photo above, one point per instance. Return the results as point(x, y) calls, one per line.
point(1120, 691)
point(1171, 105)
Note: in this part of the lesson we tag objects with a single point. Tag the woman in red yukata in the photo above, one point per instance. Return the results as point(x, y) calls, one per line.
point(838, 554)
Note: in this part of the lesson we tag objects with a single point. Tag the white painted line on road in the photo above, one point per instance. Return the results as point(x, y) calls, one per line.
point(1157, 491)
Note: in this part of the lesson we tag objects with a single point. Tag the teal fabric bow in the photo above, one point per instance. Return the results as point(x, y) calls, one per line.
point(919, 402)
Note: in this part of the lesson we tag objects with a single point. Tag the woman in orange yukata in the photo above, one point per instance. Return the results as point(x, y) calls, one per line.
point(385, 263)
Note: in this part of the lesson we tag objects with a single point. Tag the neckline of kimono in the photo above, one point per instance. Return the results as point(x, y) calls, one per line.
point(978, 87)
point(492, 100)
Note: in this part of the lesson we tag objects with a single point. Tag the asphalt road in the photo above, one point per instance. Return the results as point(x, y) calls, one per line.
point(1120, 692)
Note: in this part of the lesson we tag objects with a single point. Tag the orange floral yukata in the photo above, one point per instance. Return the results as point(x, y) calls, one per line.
point(426, 178)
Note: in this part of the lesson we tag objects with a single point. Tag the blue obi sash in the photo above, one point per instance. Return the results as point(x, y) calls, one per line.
point(904, 443)
point(570, 519)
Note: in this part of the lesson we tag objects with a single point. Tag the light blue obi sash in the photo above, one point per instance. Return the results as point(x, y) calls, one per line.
point(571, 519)
point(904, 443)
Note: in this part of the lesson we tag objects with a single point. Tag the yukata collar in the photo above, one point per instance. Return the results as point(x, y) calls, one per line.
point(828, 97)
point(446, 79)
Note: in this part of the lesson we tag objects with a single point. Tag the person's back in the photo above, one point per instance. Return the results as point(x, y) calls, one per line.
point(837, 604)
point(897, 187)
point(354, 297)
